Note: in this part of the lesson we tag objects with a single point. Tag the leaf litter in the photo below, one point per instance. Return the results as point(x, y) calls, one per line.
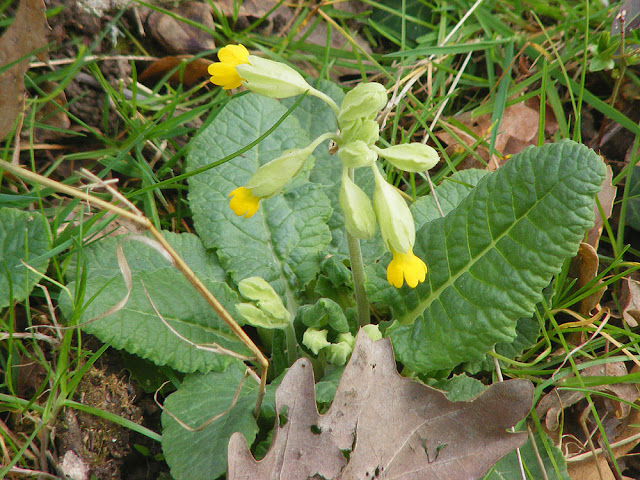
point(27, 34)
point(382, 425)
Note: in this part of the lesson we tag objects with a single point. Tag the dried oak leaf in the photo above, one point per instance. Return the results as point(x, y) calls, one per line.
point(606, 197)
point(195, 70)
point(584, 268)
point(518, 129)
point(630, 301)
point(27, 33)
point(381, 425)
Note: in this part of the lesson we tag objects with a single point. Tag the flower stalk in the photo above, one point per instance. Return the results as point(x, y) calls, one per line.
point(357, 271)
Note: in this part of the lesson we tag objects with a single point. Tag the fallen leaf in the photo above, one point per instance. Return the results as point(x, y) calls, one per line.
point(518, 129)
point(630, 301)
point(584, 268)
point(606, 197)
point(25, 35)
point(583, 467)
point(52, 115)
point(195, 70)
point(570, 405)
point(381, 425)
point(179, 37)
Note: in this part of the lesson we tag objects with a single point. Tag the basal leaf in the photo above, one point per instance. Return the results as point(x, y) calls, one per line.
point(203, 454)
point(490, 258)
point(450, 193)
point(23, 237)
point(285, 241)
point(136, 327)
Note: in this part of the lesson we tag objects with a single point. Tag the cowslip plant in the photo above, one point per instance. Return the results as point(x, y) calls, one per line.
point(356, 139)
point(300, 240)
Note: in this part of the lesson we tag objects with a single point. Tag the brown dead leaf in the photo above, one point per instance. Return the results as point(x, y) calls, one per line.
point(178, 37)
point(518, 129)
point(383, 426)
point(26, 34)
point(571, 406)
point(194, 70)
point(583, 467)
point(52, 115)
point(584, 267)
point(630, 301)
point(606, 197)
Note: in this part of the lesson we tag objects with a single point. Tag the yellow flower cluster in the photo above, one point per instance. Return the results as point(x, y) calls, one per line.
point(359, 132)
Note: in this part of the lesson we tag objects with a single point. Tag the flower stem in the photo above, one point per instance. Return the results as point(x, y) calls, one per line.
point(326, 99)
point(292, 344)
point(357, 270)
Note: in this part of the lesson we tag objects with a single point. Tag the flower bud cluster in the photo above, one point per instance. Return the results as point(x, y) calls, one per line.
point(357, 149)
point(359, 133)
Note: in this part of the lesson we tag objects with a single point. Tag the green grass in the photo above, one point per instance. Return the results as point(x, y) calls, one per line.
point(515, 55)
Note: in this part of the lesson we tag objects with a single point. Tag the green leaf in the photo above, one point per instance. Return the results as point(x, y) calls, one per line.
point(324, 312)
point(449, 193)
point(136, 327)
point(490, 258)
point(203, 454)
point(285, 241)
point(459, 388)
point(23, 237)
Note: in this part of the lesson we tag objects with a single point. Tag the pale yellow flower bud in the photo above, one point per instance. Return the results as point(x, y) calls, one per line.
point(364, 101)
point(357, 154)
point(410, 157)
point(271, 177)
point(359, 218)
point(271, 79)
point(366, 130)
point(394, 217)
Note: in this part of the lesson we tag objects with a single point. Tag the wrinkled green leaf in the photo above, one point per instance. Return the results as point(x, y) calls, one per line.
point(23, 238)
point(450, 193)
point(324, 312)
point(136, 328)
point(459, 388)
point(490, 258)
point(203, 454)
point(285, 240)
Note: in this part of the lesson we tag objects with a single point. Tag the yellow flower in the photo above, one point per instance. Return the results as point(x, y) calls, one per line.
point(406, 266)
point(224, 72)
point(243, 202)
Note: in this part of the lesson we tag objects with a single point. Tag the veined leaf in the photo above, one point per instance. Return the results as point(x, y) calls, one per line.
point(136, 327)
point(490, 258)
point(203, 454)
point(23, 237)
point(285, 241)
